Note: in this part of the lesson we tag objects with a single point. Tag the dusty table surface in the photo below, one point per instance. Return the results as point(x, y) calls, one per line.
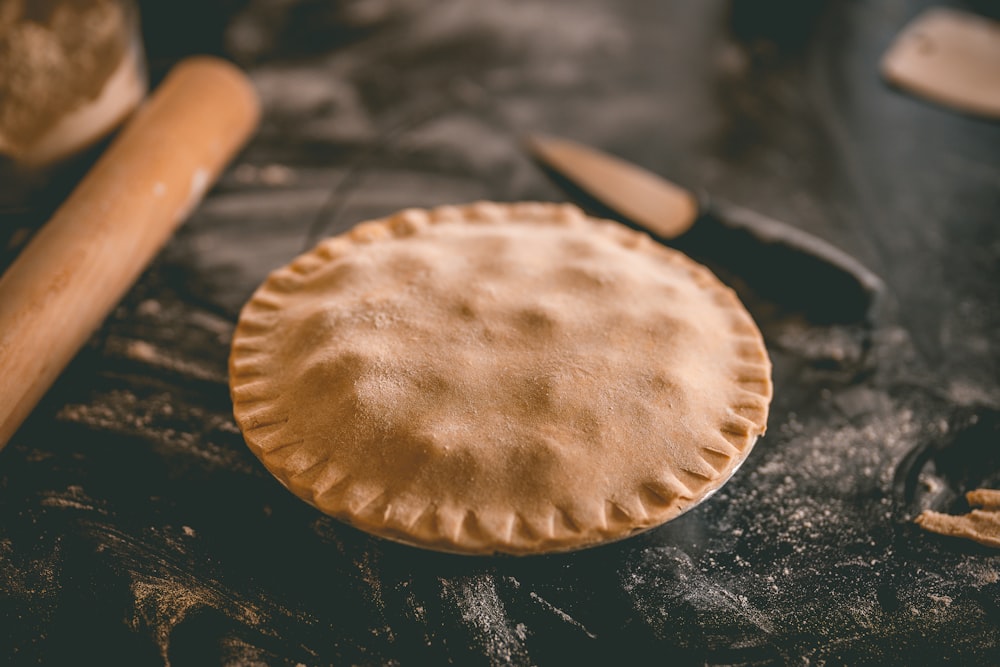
point(134, 522)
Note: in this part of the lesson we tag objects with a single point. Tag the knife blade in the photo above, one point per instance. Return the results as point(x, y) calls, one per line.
point(778, 261)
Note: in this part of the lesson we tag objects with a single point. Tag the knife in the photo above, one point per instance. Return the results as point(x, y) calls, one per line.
point(778, 262)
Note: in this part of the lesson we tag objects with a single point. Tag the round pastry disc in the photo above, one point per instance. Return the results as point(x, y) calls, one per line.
point(513, 378)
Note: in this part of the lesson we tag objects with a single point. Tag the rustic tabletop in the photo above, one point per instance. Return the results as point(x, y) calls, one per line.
point(137, 528)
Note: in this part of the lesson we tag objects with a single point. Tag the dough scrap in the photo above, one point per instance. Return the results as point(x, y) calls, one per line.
point(951, 57)
point(980, 525)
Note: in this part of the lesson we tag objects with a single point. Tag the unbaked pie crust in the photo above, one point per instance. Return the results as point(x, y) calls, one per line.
point(513, 378)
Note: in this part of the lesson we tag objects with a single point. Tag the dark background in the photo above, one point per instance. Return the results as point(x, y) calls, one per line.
point(136, 528)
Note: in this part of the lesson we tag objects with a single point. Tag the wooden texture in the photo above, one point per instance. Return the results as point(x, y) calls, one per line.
point(645, 198)
point(87, 256)
point(135, 523)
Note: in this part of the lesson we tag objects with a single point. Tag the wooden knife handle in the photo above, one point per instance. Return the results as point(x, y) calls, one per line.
point(81, 263)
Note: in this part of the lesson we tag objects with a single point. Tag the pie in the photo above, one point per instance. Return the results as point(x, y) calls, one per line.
point(498, 378)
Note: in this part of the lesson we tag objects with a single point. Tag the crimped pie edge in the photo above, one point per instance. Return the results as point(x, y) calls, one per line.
point(444, 528)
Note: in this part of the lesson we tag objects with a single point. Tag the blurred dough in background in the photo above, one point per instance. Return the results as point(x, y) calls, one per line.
point(70, 72)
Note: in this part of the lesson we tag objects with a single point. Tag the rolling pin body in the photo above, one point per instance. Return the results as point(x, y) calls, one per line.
point(85, 258)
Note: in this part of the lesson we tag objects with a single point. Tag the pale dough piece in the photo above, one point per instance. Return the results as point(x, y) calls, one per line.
point(513, 378)
point(979, 525)
point(951, 57)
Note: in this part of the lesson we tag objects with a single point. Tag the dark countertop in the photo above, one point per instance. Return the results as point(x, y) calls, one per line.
point(134, 522)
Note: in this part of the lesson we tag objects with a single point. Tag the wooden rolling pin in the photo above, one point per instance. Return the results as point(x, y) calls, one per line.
point(81, 263)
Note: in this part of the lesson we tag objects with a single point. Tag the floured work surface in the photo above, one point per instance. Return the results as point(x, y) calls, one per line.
point(512, 378)
point(133, 517)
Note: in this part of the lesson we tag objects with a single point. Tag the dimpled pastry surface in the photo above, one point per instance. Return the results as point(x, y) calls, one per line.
point(498, 378)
